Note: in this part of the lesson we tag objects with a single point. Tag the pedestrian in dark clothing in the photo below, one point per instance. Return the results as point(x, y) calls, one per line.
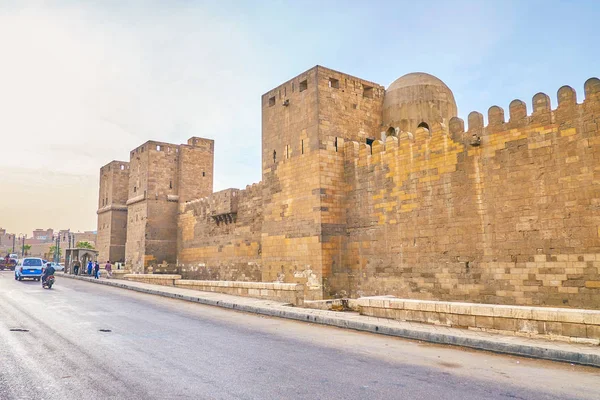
point(76, 267)
point(97, 270)
point(90, 266)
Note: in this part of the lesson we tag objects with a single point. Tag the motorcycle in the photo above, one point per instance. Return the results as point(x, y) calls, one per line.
point(47, 284)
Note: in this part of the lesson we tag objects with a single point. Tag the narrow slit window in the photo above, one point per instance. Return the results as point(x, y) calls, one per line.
point(370, 143)
point(134, 189)
point(203, 173)
point(334, 83)
point(274, 156)
point(287, 151)
point(336, 147)
point(303, 85)
point(170, 184)
point(271, 101)
point(302, 146)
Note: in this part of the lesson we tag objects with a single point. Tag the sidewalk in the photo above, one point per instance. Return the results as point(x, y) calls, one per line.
point(521, 346)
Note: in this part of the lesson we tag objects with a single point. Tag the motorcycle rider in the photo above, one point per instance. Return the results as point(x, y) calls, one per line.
point(47, 272)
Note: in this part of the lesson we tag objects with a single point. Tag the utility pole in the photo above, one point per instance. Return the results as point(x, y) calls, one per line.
point(58, 249)
point(23, 248)
point(13, 242)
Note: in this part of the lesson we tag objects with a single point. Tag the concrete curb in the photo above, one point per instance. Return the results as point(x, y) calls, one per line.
point(479, 343)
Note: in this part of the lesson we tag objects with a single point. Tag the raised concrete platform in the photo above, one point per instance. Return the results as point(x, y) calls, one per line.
point(522, 346)
point(155, 279)
point(284, 292)
point(566, 324)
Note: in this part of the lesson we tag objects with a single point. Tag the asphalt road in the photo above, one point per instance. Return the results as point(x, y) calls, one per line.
point(161, 348)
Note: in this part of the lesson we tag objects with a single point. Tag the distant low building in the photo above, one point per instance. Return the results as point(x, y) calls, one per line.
point(45, 235)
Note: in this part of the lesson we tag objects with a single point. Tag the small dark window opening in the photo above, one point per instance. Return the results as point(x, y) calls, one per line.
point(170, 184)
point(302, 146)
point(303, 85)
point(271, 101)
point(368, 92)
point(292, 87)
point(274, 156)
point(144, 193)
point(391, 131)
point(285, 91)
point(334, 83)
point(423, 125)
point(203, 173)
point(370, 143)
point(134, 189)
point(336, 149)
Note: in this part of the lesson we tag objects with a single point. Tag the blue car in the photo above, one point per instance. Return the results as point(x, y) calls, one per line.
point(29, 267)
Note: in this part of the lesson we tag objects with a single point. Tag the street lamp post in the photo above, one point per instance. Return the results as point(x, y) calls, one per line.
point(56, 249)
point(13, 242)
point(23, 248)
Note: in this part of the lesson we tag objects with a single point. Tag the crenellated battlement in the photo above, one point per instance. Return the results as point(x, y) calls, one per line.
point(406, 144)
point(542, 112)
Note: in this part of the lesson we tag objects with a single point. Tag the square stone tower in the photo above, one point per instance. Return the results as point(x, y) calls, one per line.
point(161, 176)
point(304, 122)
point(112, 211)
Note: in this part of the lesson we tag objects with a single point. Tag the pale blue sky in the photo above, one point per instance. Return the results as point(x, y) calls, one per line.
point(83, 82)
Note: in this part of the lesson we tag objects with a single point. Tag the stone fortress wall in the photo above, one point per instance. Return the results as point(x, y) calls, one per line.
point(150, 187)
point(368, 191)
point(503, 214)
point(112, 211)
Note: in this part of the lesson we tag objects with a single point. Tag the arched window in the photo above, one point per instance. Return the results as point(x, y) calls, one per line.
point(423, 125)
point(391, 131)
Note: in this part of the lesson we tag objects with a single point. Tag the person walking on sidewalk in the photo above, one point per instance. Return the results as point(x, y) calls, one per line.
point(76, 267)
point(90, 266)
point(108, 268)
point(97, 270)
